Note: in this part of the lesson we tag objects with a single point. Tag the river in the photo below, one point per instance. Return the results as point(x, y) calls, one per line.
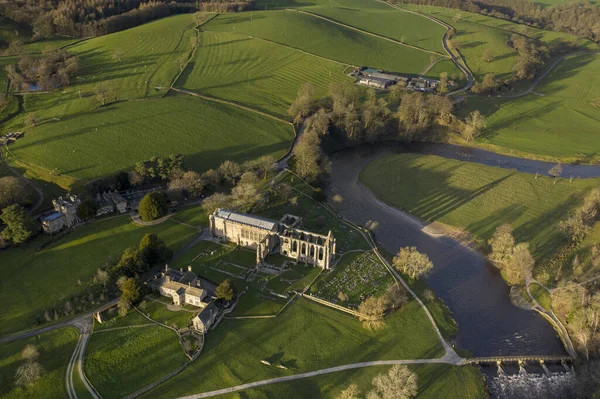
point(470, 286)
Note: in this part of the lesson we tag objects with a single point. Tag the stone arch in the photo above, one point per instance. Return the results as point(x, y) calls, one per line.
point(303, 248)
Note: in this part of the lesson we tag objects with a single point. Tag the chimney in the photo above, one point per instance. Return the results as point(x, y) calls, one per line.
point(189, 268)
point(167, 278)
point(166, 267)
point(181, 269)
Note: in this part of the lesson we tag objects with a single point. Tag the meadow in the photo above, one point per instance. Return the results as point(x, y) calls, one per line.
point(304, 337)
point(381, 19)
point(322, 38)
point(63, 270)
point(478, 198)
point(259, 74)
point(113, 138)
point(560, 125)
point(435, 381)
point(541, 295)
point(55, 349)
point(114, 359)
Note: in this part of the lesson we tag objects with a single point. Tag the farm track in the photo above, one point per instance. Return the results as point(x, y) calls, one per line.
point(365, 32)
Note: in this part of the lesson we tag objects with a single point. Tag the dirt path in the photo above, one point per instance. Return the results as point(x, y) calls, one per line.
point(365, 32)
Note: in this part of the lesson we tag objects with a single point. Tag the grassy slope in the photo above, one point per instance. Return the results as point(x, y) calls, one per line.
point(322, 38)
point(305, 337)
point(55, 350)
point(122, 361)
point(541, 295)
point(149, 59)
point(55, 271)
point(255, 73)
point(477, 198)
point(478, 32)
point(435, 381)
point(380, 19)
point(113, 138)
point(563, 124)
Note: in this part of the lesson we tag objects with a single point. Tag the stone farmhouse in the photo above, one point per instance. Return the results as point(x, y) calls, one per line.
point(270, 237)
point(183, 287)
point(205, 319)
point(65, 214)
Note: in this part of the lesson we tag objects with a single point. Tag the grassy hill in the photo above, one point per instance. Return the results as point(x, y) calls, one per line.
point(256, 73)
point(322, 38)
point(379, 18)
point(477, 198)
point(105, 141)
point(561, 124)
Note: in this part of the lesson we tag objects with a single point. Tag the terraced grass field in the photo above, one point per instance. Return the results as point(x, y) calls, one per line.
point(120, 362)
point(114, 138)
point(322, 38)
point(477, 198)
point(58, 269)
point(305, 337)
point(381, 19)
point(560, 125)
point(262, 75)
point(55, 350)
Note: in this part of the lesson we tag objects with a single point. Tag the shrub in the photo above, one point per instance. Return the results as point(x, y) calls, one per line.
point(153, 206)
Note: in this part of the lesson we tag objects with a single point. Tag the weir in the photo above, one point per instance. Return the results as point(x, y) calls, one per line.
point(518, 359)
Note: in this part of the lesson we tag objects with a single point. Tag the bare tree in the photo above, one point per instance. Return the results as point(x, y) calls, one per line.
point(310, 161)
point(31, 119)
point(502, 244)
point(443, 85)
point(29, 352)
point(215, 201)
point(474, 124)
point(556, 171)
point(265, 164)
point(487, 55)
point(412, 262)
point(520, 265)
point(352, 392)
point(101, 277)
point(28, 373)
point(230, 171)
point(398, 383)
point(372, 310)
point(301, 106)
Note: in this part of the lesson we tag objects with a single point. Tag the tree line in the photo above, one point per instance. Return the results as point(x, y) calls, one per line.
point(90, 18)
point(54, 69)
point(578, 18)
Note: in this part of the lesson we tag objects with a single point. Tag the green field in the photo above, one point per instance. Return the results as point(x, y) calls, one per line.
point(477, 198)
point(560, 125)
point(381, 19)
point(58, 270)
point(255, 73)
point(541, 295)
point(478, 32)
point(120, 362)
point(55, 350)
point(322, 38)
point(305, 337)
point(435, 381)
point(193, 214)
point(103, 142)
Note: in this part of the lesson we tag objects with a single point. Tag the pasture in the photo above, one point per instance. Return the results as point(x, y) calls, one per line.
point(560, 125)
point(120, 362)
point(55, 349)
point(478, 198)
point(435, 381)
point(381, 19)
point(305, 337)
point(113, 138)
point(322, 38)
point(258, 74)
point(63, 270)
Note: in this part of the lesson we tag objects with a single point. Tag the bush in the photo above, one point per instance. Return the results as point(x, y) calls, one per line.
point(153, 206)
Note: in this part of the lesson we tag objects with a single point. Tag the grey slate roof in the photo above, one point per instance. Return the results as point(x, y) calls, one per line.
point(250, 220)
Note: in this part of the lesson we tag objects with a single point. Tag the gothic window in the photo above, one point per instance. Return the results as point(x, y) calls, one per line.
point(312, 250)
point(295, 246)
point(303, 248)
point(320, 253)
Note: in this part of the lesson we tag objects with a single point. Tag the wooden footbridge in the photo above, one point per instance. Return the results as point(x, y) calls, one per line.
point(518, 359)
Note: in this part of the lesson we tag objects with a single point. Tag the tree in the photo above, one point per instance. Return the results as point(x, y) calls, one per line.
point(556, 171)
point(132, 262)
point(31, 119)
point(412, 262)
point(122, 181)
point(153, 206)
point(320, 121)
point(226, 290)
point(352, 392)
point(398, 383)
point(575, 226)
point(443, 85)
point(474, 124)
point(28, 373)
point(414, 114)
point(372, 311)
point(154, 250)
point(230, 171)
point(101, 277)
point(102, 91)
point(123, 307)
point(567, 298)
point(342, 95)
point(87, 209)
point(265, 164)
point(396, 296)
point(310, 161)
point(487, 55)
point(19, 225)
point(130, 291)
point(302, 104)
point(375, 116)
point(502, 244)
point(520, 265)
point(13, 191)
point(29, 352)
point(216, 201)
point(191, 182)
point(211, 179)
point(245, 194)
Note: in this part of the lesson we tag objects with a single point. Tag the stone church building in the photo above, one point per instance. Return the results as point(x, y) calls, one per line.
point(269, 237)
